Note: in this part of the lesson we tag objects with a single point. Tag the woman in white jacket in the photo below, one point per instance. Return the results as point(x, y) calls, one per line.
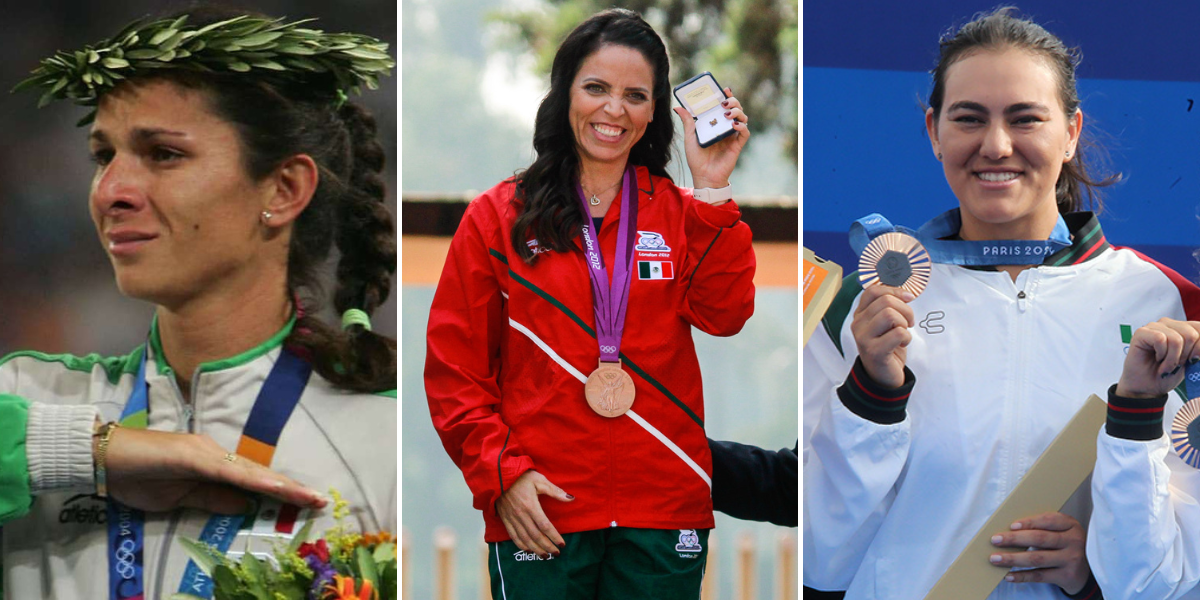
point(925, 412)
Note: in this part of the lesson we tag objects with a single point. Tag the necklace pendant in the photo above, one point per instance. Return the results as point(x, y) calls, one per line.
point(594, 201)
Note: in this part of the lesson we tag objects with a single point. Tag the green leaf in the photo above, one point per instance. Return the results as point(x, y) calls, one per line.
point(162, 36)
point(167, 56)
point(239, 66)
point(93, 57)
point(363, 52)
point(366, 565)
point(206, 557)
point(171, 42)
point(384, 552)
point(143, 54)
point(268, 64)
point(115, 63)
point(212, 26)
point(224, 577)
point(300, 537)
point(259, 39)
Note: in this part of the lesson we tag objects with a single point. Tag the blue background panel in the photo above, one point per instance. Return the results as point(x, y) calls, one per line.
point(1153, 40)
point(866, 150)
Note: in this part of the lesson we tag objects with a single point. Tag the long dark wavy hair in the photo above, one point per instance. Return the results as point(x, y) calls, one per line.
point(1076, 189)
point(545, 200)
point(276, 121)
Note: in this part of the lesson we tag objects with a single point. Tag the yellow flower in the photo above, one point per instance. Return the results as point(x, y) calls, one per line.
point(341, 508)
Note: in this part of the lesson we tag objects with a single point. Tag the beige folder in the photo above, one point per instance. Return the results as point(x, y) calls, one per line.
point(822, 279)
point(1051, 481)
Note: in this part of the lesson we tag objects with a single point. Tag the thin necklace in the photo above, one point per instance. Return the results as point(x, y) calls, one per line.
point(594, 201)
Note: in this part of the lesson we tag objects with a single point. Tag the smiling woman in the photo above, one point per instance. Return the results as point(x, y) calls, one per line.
point(220, 187)
point(921, 431)
point(560, 370)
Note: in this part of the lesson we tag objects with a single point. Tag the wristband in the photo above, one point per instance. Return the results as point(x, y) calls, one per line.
point(105, 432)
point(714, 196)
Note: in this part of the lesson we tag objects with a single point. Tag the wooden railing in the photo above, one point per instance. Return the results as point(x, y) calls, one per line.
point(445, 565)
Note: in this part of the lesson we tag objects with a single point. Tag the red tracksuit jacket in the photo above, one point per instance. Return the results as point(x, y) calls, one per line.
point(509, 345)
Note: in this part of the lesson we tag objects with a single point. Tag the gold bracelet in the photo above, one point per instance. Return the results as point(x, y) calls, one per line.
point(105, 432)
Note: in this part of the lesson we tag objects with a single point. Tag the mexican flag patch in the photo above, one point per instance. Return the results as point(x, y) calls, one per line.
point(654, 269)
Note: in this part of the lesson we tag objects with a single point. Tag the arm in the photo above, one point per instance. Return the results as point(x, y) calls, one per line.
point(1144, 537)
point(718, 273)
point(754, 484)
point(859, 443)
point(462, 365)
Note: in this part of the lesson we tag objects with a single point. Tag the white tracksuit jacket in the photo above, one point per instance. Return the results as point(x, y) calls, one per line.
point(1000, 368)
point(333, 439)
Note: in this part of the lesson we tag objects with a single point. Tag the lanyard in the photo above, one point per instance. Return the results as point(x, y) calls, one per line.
point(610, 300)
point(963, 252)
point(274, 404)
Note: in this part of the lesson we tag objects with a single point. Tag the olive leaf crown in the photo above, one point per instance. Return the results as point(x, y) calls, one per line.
point(269, 48)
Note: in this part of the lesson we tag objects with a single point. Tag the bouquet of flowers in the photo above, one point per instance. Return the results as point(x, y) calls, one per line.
point(341, 565)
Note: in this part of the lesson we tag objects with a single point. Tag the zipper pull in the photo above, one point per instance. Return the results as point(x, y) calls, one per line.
point(189, 417)
point(1021, 300)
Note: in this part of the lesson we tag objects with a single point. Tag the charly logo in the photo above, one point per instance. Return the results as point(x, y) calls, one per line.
point(932, 324)
point(1126, 336)
point(522, 556)
point(648, 241)
point(83, 509)
point(689, 541)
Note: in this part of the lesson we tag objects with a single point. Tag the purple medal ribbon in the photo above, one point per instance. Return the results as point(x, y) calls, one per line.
point(610, 300)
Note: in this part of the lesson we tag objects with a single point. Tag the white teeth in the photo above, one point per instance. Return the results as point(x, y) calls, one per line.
point(606, 130)
point(1008, 176)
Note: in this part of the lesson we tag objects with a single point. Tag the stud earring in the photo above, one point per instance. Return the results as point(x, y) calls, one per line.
point(266, 217)
point(1068, 154)
point(939, 156)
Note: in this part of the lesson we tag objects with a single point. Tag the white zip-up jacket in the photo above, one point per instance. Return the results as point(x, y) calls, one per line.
point(334, 438)
point(893, 496)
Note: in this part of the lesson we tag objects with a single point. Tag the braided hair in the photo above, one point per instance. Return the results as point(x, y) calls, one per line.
point(276, 120)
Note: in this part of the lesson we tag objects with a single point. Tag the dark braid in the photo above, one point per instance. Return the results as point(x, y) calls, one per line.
point(279, 120)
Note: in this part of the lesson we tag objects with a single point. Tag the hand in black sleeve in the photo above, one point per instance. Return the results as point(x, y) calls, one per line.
point(754, 484)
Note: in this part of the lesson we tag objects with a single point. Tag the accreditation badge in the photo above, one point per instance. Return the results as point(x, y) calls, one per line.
point(895, 259)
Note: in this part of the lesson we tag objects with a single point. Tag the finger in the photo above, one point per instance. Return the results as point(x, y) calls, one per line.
point(872, 294)
point(549, 489)
point(548, 530)
point(888, 318)
point(251, 476)
point(736, 115)
point(1031, 576)
point(731, 102)
point(536, 525)
point(1035, 538)
point(1035, 559)
point(1051, 521)
point(217, 499)
point(519, 535)
point(689, 125)
point(1188, 336)
point(728, 92)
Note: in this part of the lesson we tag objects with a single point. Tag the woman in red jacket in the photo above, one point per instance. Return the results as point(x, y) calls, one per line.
point(560, 360)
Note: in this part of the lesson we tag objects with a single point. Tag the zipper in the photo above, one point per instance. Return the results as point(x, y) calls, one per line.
point(189, 421)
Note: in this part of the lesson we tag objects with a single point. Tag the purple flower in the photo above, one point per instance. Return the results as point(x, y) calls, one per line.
point(323, 573)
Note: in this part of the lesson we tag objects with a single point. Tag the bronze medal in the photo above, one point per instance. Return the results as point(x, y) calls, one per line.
point(895, 259)
point(609, 390)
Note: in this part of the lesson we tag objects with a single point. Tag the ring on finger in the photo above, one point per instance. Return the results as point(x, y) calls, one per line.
point(231, 457)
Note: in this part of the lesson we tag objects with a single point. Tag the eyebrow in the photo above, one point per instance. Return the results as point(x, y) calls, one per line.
point(139, 133)
point(1011, 109)
point(594, 79)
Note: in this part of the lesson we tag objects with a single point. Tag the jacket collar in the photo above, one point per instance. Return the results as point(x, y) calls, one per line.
point(270, 344)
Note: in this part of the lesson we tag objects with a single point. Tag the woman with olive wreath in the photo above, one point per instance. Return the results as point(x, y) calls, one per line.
point(228, 163)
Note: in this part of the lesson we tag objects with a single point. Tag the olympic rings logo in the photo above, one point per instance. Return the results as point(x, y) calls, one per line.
point(125, 557)
point(608, 349)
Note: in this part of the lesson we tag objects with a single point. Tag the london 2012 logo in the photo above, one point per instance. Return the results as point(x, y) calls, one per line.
point(649, 241)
